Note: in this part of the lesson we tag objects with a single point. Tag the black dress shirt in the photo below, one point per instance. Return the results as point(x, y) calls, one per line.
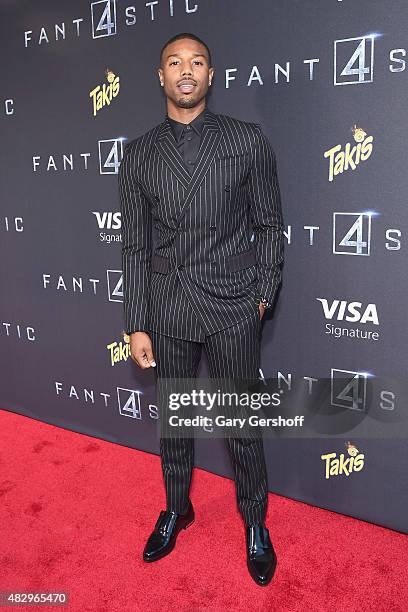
point(188, 138)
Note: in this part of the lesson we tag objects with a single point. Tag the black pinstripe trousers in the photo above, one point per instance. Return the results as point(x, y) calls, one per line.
point(233, 352)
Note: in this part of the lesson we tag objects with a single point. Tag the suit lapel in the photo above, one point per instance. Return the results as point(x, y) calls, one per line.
point(166, 145)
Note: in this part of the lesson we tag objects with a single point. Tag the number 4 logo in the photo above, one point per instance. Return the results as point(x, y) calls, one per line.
point(354, 64)
point(115, 285)
point(103, 15)
point(348, 391)
point(110, 155)
point(354, 239)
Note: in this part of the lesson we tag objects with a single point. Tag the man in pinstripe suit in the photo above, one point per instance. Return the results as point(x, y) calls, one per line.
point(193, 190)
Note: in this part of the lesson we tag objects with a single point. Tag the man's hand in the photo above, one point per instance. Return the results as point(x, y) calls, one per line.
point(261, 310)
point(141, 350)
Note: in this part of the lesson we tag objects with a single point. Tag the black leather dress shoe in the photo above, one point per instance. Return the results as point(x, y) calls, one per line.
point(163, 538)
point(261, 557)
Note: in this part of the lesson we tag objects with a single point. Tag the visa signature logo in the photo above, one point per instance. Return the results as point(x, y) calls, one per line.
point(349, 311)
point(108, 219)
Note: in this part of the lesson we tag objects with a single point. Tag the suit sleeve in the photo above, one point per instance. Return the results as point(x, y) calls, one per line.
point(136, 245)
point(266, 215)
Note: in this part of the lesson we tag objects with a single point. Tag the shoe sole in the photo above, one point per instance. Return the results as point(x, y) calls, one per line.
point(168, 551)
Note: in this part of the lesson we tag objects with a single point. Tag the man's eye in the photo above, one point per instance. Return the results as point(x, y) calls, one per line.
point(195, 61)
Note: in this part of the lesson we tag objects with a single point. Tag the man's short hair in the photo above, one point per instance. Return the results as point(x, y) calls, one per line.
point(185, 35)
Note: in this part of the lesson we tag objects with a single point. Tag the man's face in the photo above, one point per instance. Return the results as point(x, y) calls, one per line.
point(185, 72)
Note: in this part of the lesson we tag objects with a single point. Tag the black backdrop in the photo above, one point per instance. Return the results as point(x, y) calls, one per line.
point(326, 80)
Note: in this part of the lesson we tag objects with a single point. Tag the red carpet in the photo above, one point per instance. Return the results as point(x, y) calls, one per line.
point(75, 513)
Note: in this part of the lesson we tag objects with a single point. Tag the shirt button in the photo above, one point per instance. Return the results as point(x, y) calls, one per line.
point(188, 127)
point(189, 138)
point(189, 161)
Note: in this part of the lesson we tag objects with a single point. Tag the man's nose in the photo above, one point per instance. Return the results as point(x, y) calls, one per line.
point(186, 70)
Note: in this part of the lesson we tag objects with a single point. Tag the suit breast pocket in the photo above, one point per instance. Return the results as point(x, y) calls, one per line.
point(232, 170)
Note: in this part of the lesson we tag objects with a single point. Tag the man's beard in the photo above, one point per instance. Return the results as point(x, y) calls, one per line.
point(188, 102)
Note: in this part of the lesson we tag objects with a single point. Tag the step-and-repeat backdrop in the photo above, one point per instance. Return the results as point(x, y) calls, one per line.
point(327, 81)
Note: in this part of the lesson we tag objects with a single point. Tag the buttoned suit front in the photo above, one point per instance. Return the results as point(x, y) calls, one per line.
point(197, 249)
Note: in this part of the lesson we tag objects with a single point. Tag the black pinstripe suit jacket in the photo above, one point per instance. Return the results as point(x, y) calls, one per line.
point(207, 243)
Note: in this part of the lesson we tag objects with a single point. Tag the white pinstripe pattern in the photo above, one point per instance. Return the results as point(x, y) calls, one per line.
point(232, 353)
point(199, 221)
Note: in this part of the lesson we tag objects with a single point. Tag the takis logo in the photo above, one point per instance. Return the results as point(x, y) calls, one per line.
point(103, 94)
point(119, 351)
point(343, 464)
point(349, 158)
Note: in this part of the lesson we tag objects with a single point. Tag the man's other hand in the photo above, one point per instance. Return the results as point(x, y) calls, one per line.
point(261, 310)
point(141, 350)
